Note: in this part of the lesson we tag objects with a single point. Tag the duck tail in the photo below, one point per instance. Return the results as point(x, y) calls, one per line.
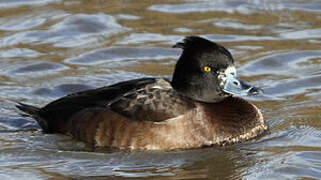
point(35, 113)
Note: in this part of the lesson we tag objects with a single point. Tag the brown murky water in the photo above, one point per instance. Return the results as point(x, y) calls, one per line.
point(49, 48)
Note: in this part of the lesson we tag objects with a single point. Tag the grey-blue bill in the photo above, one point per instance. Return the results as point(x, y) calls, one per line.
point(235, 86)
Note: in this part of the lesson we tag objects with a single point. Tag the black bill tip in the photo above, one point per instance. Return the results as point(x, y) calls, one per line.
point(255, 91)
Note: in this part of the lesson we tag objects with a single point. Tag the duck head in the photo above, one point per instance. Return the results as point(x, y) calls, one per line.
point(205, 72)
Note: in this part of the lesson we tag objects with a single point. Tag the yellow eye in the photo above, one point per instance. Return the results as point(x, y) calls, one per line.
point(207, 69)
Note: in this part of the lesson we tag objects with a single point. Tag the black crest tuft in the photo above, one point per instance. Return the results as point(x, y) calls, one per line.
point(193, 42)
point(196, 44)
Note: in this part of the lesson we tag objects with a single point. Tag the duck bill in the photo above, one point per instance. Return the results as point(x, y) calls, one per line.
point(235, 86)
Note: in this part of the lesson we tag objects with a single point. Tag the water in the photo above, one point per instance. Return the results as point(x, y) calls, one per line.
point(51, 48)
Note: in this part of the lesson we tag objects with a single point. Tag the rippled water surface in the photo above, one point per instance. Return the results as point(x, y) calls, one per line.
point(49, 48)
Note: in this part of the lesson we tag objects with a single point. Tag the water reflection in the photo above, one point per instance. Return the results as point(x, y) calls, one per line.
point(74, 30)
point(17, 3)
point(119, 54)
